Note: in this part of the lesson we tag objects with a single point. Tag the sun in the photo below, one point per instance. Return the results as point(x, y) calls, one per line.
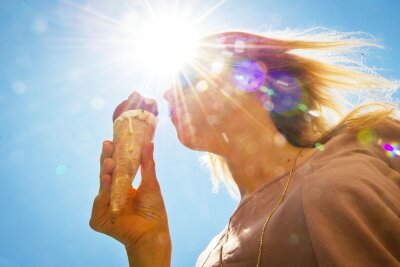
point(146, 43)
point(165, 43)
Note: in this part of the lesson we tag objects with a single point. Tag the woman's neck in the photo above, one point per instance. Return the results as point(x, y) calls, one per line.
point(255, 151)
point(256, 157)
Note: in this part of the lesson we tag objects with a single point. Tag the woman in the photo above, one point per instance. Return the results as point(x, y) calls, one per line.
point(312, 193)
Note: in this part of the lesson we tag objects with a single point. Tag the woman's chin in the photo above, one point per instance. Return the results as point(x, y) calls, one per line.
point(189, 140)
point(187, 134)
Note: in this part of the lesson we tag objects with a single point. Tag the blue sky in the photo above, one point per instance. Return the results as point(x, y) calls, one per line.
point(57, 96)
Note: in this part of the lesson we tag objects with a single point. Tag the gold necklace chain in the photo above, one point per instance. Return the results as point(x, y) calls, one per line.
point(260, 249)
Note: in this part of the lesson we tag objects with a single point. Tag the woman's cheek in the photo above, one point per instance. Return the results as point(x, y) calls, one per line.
point(191, 137)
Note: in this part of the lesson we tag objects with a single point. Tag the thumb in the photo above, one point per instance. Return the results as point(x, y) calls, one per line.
point(148, 167)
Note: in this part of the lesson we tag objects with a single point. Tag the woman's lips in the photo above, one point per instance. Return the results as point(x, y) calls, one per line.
point(175, 108)
point(171, 111)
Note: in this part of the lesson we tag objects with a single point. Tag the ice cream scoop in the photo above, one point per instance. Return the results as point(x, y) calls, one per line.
point(135, 121)
point(136, 101)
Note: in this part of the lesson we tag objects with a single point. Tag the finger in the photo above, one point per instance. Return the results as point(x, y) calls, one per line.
point(134, 96)
point(108, 166)
point(104, 196)
point(107, 151)
point(135, 100)
point(106, 169)
point(121, 108)
point(150, 105)
point(147, 168)
point(107, 184)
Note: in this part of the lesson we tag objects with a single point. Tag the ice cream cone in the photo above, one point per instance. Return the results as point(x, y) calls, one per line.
point(132, 130)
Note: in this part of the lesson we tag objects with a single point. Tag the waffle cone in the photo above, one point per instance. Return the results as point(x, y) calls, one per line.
point(132, 130)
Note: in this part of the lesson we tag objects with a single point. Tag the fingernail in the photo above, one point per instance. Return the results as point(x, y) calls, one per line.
point(133, 97)
point(106, 142)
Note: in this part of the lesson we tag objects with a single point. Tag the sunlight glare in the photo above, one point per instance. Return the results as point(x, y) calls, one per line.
point(166, 43)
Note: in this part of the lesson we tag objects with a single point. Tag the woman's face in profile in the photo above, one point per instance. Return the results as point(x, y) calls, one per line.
point(208, 95)
point(197, 108)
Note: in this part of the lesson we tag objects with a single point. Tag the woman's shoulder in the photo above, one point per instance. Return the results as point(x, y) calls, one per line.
point(374, 145)
point(355, 171)
point(351, 198)
point(356, 175)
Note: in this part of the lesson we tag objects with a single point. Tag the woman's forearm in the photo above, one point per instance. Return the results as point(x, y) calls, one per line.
point(157, 253)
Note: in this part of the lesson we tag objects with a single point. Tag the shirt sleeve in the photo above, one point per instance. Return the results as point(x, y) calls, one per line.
point(352, 210)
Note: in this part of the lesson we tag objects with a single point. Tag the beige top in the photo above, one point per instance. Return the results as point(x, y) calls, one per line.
point(342, 208)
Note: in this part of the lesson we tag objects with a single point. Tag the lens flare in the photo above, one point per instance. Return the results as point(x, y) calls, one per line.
point(266, 90)
point(392, 149)
point(319, 146)
point(248, 75)
point(314, 113)
point(302, 107)
point(287, 92)
point(366, 137)
point(61, 170)
point(202, 86)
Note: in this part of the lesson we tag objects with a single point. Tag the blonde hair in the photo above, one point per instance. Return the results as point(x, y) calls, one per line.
point(326, 64)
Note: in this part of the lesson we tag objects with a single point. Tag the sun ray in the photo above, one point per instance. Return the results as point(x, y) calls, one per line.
point(202, 108)
point(94, 13)
point(205, 74)
point(195, 93)
point(91, 72)
point(210, 11)
point(152, 40)
point(246, 113)
point(191, 128)
point(129, 73)
point(176, 7)
point(199, 102)
point(107, 65)
point(150, 9)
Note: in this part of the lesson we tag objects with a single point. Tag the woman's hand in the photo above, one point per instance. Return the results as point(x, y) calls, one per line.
point(142, 225)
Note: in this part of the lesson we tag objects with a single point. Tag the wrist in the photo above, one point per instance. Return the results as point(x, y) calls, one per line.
point(152, 251)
